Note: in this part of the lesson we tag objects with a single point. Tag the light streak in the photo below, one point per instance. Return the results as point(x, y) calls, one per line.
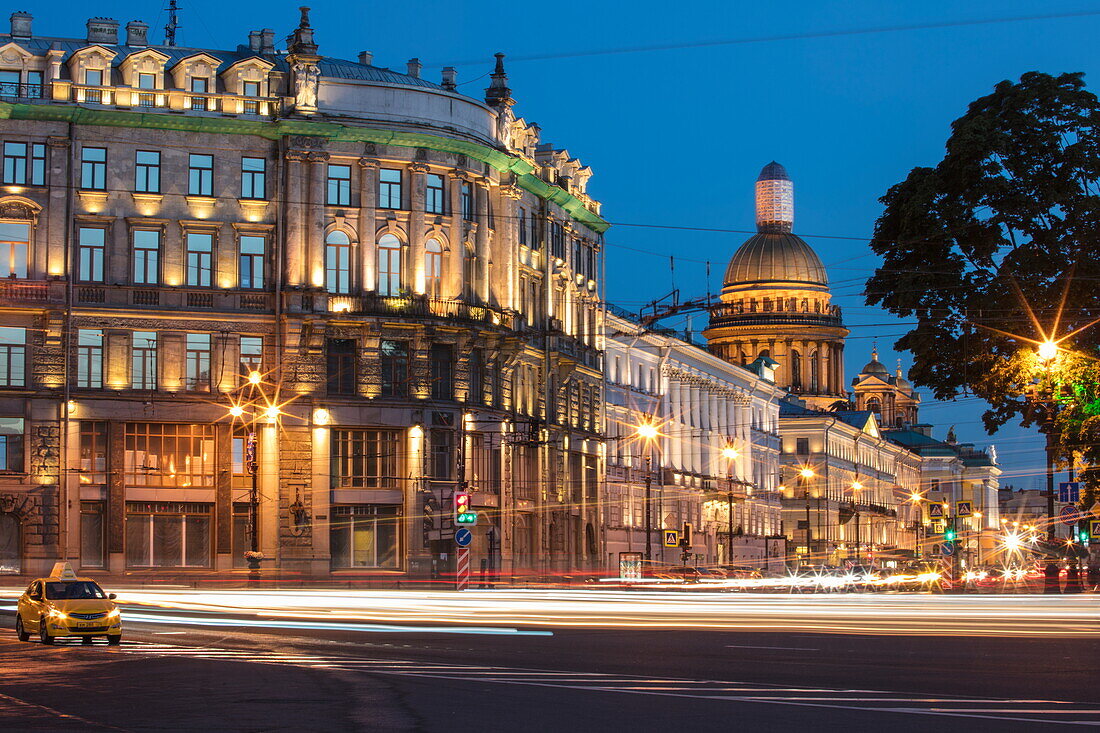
point(687, 606)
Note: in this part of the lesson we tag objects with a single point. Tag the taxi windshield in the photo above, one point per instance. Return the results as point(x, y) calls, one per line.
point(73, 590)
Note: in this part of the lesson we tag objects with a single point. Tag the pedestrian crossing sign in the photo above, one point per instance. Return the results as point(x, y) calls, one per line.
point(672, 538)
point(937, 527)
point(964, 508)
point(1094, 529)
point(935, 511)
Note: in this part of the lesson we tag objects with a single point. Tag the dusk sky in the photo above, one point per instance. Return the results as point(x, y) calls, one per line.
point(676, 137)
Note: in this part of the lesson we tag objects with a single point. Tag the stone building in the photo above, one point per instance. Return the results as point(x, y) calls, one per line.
point(362, 287)
point(714, 462)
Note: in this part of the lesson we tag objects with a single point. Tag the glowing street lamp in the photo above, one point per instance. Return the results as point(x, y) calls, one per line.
point(805, 474)
point(1047, 351)
point(731, 454)
point(648, 432)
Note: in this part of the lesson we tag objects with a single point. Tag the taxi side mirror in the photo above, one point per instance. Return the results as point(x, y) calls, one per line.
point(111, 596)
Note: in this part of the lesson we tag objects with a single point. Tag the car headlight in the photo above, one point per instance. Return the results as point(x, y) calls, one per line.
point(114, 613)
point(55, 614)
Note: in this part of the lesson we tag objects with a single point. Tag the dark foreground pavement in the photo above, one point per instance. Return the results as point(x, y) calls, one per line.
point(188, 678)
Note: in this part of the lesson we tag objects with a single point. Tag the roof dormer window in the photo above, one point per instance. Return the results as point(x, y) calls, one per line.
point(200, 84)
point(93, 77)
point(147, 81)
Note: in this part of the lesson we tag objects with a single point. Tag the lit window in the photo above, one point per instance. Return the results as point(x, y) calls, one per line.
point(14, 241)
point(338, 262)
point(197, 362)
point(143, 360)
point(433, 268)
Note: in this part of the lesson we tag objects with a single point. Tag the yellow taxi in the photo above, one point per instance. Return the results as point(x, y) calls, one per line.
point(65, 605)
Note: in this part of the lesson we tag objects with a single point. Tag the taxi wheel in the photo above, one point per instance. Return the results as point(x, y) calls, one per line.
point(20, 632)
point(44, 633)
point(115, 639)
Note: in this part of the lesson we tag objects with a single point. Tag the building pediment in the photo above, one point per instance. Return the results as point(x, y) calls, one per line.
point(11, 53)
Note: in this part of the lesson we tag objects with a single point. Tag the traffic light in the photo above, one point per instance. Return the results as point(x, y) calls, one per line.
point(464, 515)
point(949, 534)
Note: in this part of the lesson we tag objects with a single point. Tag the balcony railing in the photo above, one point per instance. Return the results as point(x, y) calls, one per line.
point(412, 306)
point(12, 90)
point(174, 99)
point(31, 291)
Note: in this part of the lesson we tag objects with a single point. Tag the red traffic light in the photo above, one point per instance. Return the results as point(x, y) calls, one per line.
point(462, 502)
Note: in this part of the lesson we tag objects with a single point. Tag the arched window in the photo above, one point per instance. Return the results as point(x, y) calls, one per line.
point(389, 265)
point(338, 262)
point(815, 373)
point(433, 268)
point(874, 404)
point(796, 370)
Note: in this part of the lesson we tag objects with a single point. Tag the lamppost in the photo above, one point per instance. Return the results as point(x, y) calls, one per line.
point(915, 497)
point(648, 432)
point(1044, 399)
point(804, 475)
point(250, 406)
point(856, 488)
point(730, 453)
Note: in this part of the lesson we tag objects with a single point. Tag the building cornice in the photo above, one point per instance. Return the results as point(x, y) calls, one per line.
point(274, 130)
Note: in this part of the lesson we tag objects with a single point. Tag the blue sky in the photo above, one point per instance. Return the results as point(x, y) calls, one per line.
point(676, 137)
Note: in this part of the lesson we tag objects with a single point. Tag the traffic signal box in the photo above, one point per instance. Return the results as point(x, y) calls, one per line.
point(949, 535)
point(464, 514)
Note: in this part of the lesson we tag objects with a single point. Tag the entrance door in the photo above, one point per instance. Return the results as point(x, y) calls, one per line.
point(11, 555)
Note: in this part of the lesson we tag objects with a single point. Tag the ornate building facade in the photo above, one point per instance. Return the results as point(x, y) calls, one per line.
point(714, 462)
point(284, 298)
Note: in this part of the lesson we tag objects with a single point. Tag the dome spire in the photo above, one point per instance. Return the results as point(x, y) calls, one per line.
point(774, 199)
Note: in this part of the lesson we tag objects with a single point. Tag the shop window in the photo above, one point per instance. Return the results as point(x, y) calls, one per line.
point(167, 534)
point(365, 536)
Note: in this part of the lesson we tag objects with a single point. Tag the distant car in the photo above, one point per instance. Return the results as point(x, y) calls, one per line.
point(742, 572)
point(65, 605)
point(686, 573)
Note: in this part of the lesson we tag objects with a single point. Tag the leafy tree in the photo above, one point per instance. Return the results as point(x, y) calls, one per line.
point(995, 249)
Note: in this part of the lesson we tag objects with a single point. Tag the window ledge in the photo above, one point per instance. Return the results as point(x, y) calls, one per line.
point(93, 201)
point(147, 203)
point(253, 210)
point(201, 206)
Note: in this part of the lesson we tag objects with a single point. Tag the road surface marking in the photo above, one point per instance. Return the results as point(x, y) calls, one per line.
point(793, 648)
point(714, 690)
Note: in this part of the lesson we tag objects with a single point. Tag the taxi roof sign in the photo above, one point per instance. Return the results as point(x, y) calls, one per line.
point(63, 571)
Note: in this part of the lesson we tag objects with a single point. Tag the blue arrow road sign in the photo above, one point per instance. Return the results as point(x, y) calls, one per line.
point(1069, 492)
point(463, 537)
point(947, 548)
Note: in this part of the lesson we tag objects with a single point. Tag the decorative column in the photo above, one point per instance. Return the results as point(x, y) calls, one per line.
point(415, 266)
point(315, 218)
point(296, 254)
point(368, 222)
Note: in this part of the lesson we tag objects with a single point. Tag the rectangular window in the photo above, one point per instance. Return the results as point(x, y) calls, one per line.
point(365, 459)
point(341, 363)
point(167, 534)
point(443, 377)
point(199, 84)
point(389, 188)
point(93, 528)
point(14, 241)
point(802, 446)
point(93, 169)
point(251, 269)
point(441, 460)
point(34, 84)
point(557, 240)
point(250, 89)
point(365, 536)
point(147, 171)
point(143, 360)
point(90, 250)
point(93, 453)
point(200, 179)
point(253, 178)
point(197, 362)
point(167, 455)
point(38, 164)
point(394, 357)
point(200, 259)
point(15, 163)
point(339, 185)
point(476, 371)
point(13, 357)
point(147, 81)
point(252, 355)
point(11, 444)
point(522, 225)
point(146, 257)
point(93, 77)
point(9, 83)
point(468, 201)
point(536, 234)
point(434, 194)
point(89, 358)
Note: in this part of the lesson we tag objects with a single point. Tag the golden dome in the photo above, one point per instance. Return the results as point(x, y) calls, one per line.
point(775, 257)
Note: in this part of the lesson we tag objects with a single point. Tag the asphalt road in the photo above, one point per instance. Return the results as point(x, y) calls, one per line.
point(185, 677)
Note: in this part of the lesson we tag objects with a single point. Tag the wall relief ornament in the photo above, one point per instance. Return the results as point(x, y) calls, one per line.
point(306, 78)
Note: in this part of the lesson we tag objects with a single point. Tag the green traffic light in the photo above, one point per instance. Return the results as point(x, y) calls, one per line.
point(949, 535)
point(466, 518)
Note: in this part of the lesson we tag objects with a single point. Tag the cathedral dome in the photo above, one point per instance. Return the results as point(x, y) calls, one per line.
point(875, 366)
point(775, 257)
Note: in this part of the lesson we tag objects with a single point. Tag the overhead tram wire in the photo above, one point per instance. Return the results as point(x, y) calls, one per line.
point(784, 37)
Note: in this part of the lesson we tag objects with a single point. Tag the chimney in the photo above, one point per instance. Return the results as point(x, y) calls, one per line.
point(254, 41)
point(414, 68)
point(450, 77)
point(137, 33)
point(366, 58)
point(103, 30)
point(267, 41)
point(21, 24)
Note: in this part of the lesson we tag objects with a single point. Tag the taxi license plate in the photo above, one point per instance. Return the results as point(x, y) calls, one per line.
point(85, 625)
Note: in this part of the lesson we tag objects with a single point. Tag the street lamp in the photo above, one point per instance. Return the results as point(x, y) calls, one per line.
point(1047, 353)
point(648, 432)
point(805, 474)
point(916, 498)
point(856, 488)
point(250, 407)
point(730, 454)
